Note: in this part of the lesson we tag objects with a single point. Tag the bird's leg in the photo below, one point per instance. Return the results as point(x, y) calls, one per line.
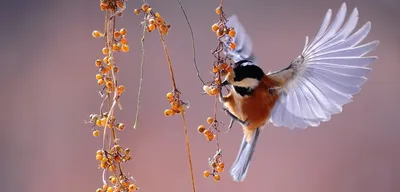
point(221, 97)
point(245, 123)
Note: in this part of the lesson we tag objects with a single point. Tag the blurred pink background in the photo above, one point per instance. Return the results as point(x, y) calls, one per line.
point(49, 89)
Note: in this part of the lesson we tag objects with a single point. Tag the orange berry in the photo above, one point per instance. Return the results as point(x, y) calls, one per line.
point(113, 179)
point(105, 51)
point(110, 189)
point(124, 41)
point(207, 132)
point(220, 169)
point(115, 47)
point(103, 121)
point(98, 76)
point(103, 7)
point(163, 28)
point(100, 81)
point(210, 137)
point(168, 112)
point(145, 7)
point(210, 120)
point(157, 15)
point(121, 88)
point(215, 69)
point(136, 11)
point(214, 91)
point(125, 48)
point(96, 133)
point(220, 32)
point(112, 168)
point(116, 69)
point(98, 122)
point(105, 59)
point(181, 109)
point(105, 186)
point(132, 187)
point(159, 20)
point(218, 10)
point(152, 21)
point(123, 31)
point(110, 125)
point(232, 45)
point(99, 157)
point(222, 165)
point(152, 27)
point(117, 34)
point(121, 126)
point(217, 177)
point(99, 152)
point(120, 4)
point(201, 129)
point(215, 27)
point(98, 63)
point(99, 190)
point(206, 174)
point(170, 96)
point(175, 106)
point(232, 33)
point(109, 84)
point(96, 34)
point(214, 164)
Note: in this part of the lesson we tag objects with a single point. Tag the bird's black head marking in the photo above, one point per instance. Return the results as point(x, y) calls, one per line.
point(245, 69)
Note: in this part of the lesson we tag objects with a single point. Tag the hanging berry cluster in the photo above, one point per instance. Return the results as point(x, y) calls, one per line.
point(153, 21)
point(219, 70)
point(112, 155)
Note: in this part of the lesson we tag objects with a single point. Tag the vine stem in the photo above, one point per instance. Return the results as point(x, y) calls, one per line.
point(141, 79)
point(183, 116)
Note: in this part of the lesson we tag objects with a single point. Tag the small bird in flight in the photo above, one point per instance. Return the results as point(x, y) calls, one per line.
point(314, 86)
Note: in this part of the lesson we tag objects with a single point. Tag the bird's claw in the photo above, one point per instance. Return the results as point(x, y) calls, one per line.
point(230, 125)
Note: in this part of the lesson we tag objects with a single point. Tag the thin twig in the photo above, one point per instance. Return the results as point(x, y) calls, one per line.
point(141, 78)
point(183, 116)
point(189, 151)
point(168, 60)
point(193, 43)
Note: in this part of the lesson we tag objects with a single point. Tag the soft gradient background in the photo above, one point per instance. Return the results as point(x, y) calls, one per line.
point(49, 89)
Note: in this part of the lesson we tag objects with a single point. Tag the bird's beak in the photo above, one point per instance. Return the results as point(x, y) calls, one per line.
point(224, 83)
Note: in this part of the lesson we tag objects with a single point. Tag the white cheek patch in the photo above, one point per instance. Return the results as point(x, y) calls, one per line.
point(247, 82)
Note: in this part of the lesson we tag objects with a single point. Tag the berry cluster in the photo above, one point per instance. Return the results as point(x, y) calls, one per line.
point(152, 20)
point(220, 69)
point(112, 5)
point(101, 121)
point(217, 166)
point(110, 160)
point(221, 29)
point(111, 157)
point(177, 105)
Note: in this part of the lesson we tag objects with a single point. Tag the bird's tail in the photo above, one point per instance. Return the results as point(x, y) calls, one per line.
point(241, 164)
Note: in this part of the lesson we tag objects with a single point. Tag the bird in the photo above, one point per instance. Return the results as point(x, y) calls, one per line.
point(316, 84)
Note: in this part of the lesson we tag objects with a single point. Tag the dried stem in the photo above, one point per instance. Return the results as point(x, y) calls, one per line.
point(182, 114)
point(168, 61)
point(141, 78)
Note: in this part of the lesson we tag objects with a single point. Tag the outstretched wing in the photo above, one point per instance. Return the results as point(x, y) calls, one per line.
point(326, 75)
point(244, 47)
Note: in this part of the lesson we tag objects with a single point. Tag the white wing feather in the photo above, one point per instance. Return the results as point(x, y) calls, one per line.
point(244, 47)
point(326, 75)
